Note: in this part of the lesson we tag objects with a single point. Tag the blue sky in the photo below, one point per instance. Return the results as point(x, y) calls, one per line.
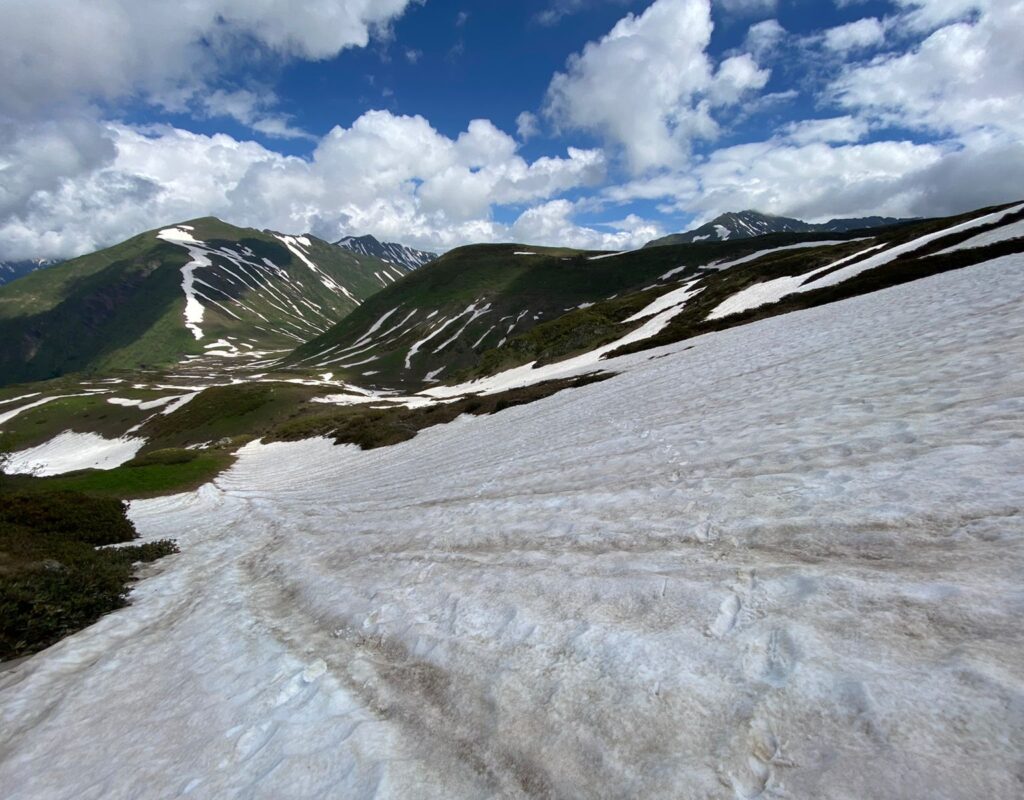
point(595, 123)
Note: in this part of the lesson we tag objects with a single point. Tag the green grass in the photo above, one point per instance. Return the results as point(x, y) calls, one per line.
point(546, 285)
point(135, 480)
point(83, 414)
point(226, 412)
point(122, 308)
point(907, 268)
point(131, 481)
point(53, 578)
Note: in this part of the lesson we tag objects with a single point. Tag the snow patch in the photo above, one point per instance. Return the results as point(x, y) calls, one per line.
point(72, 451)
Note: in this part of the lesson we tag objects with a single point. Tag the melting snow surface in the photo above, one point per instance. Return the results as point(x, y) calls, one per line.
point(782, 560)
point(774, 290)
point(71, 451)
point(1012, 231)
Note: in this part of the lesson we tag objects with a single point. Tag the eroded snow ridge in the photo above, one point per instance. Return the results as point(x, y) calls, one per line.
point(781, 560)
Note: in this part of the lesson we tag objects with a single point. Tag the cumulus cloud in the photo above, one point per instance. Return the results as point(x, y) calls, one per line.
point(395, 176)
point(60, 51)
point(796, 175)
point(649, 86)
point(527, 125)
point(763, 38)
point(965, 76)
point(552, 222)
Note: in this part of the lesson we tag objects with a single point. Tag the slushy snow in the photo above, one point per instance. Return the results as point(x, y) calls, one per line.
point(781, 560)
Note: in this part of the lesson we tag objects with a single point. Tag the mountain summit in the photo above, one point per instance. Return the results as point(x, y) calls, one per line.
point(747, 224)
point(397, 254)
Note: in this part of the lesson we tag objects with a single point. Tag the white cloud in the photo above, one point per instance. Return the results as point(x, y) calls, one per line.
point(559, 9)
point(963, 77)
point(863, 33)
point(649, 87)
point(394, 176)
point(927, 15)
point(794, 176)
point(835, 129)
point(552, 223)
point(250, 109)
point(763, 38)
point(61, 51)
point(527, 125)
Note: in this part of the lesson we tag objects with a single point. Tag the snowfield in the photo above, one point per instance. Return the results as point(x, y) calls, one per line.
point(70, 451)
point(782, 560)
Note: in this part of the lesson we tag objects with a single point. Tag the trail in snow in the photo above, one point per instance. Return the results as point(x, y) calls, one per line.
point(779, 560)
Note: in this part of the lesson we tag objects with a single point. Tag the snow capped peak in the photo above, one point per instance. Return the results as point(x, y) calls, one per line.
point(391, 252)
point(749, 223)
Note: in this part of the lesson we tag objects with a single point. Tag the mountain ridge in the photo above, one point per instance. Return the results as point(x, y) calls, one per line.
point(12, 270)
point(202, 290)
point(399, 255)
point(747, 224)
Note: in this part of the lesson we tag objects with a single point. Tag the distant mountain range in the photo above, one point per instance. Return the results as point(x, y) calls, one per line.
point(747, 224)
point(389, 252)
point(12, 270)
point(206, 298)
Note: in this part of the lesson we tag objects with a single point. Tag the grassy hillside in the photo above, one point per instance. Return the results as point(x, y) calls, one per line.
point(440, 321)
point(124, 307)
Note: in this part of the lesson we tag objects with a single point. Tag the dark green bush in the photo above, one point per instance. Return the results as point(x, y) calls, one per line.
point(54, 580)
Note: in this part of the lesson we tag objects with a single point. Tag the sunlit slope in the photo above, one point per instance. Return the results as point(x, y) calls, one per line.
point(202, 288)
point(442, 319)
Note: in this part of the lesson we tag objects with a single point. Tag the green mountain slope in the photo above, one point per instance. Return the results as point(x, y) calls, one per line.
point(199, 290)
point(487, 308)
point(440, 320)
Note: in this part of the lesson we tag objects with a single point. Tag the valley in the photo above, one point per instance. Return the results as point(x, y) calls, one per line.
point(708, 482)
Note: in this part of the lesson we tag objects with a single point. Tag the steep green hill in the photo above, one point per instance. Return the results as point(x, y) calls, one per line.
point(198, 290)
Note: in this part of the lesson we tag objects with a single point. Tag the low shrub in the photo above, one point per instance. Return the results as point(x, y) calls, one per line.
point(54, 577)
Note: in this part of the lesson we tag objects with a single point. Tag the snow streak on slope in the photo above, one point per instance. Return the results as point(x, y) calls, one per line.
point(198, 259)
point(1014, 230)
point(295, 245)
point(774, 290)
point(779, 560)
point(259, 299)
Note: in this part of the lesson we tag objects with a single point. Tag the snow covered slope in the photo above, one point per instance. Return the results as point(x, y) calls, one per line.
point(398, 255)
point(781, 560)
